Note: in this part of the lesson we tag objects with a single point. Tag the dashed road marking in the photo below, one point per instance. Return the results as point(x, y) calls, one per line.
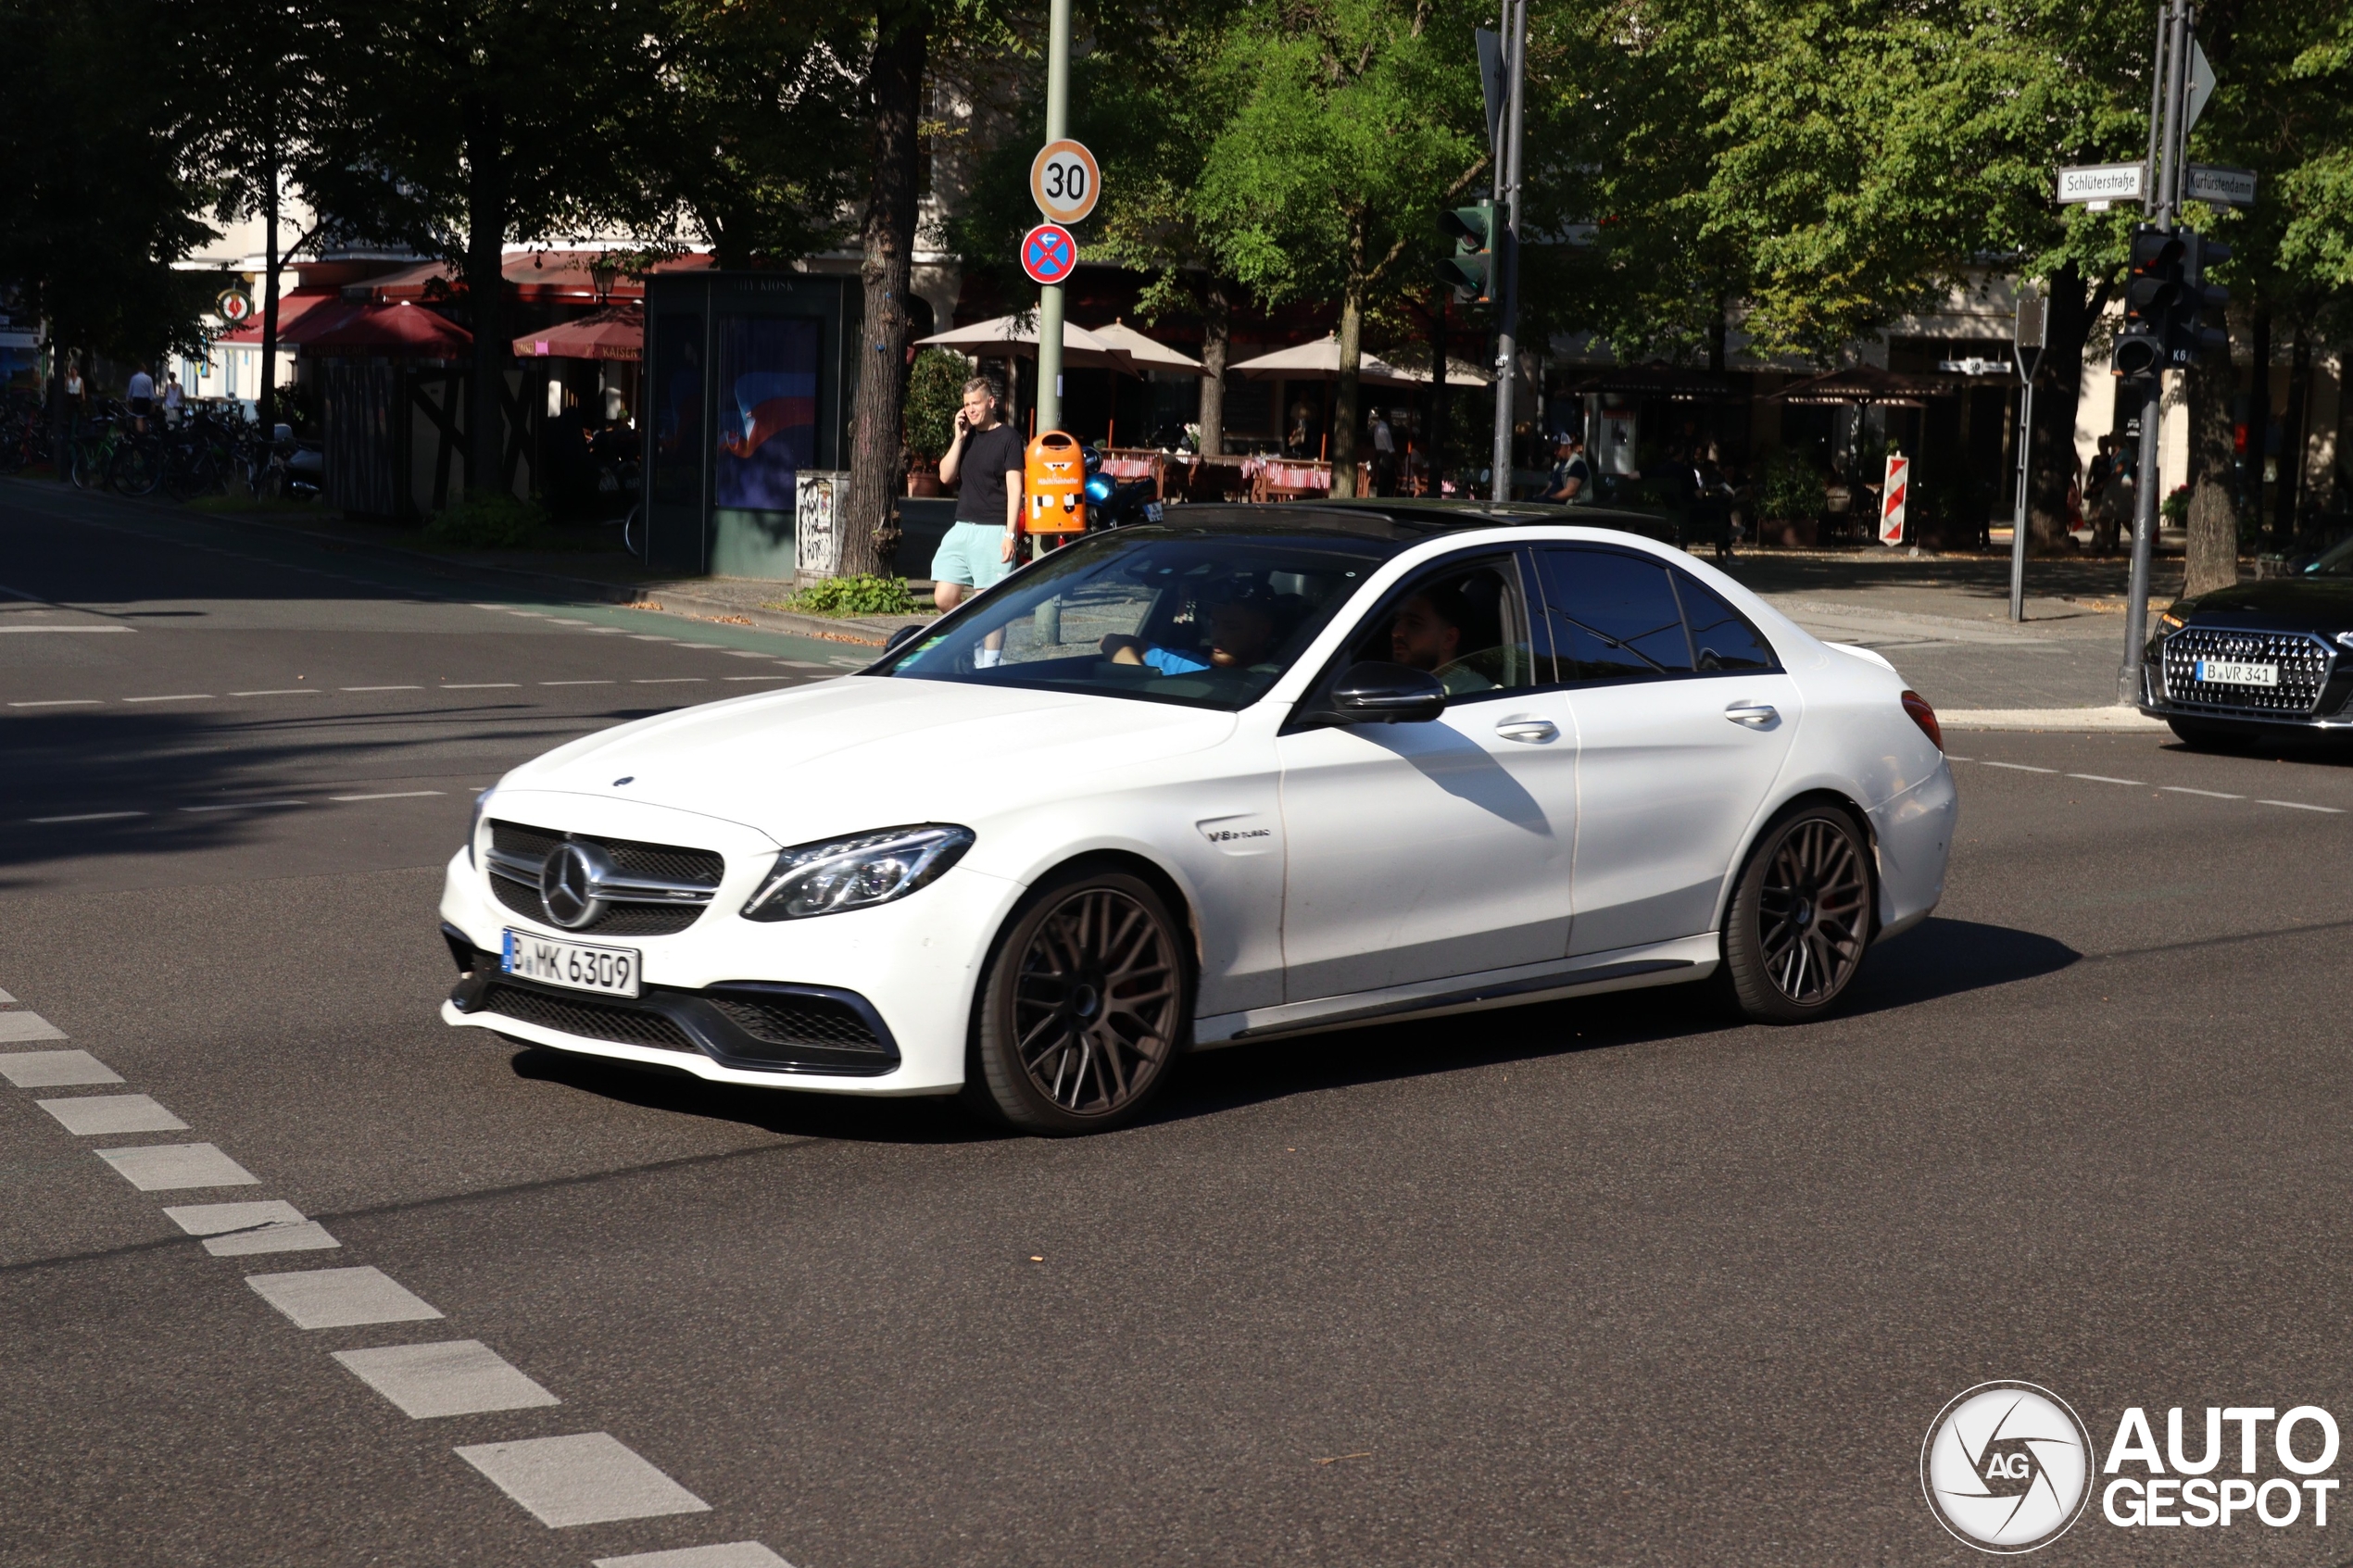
point(63, 702)
point(760, 677)
point(244, 806)
point(2300, 806)
point(87, 817)
point(649, 637)
point(588, 1478)
point(2021, 768)
point(579, 683)
point(477, 685)
point(391, 794)
point(239, 1230)
point(2209, 794)
point(284, 691)
point(734, 1554)
point(453, 1377)
point(168, 1167)
point(341, 1298)
point(179, 697)
point(667, 681)
point(88, 1116)
point(32, 1026)
point(54, 1070)
point(380, 688)
point(2102, 778)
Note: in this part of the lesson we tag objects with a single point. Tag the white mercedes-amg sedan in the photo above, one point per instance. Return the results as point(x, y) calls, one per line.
point(1254, 771)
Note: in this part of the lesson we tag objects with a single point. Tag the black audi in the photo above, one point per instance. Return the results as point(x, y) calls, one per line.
point(2257, 661)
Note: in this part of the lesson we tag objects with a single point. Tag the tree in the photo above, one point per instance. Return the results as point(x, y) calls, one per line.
point(102, 203)
point(1356, 122)
point(263, 139)
point(1825, 166)
point(887, 236)
point(750, 142)
point(498, 134)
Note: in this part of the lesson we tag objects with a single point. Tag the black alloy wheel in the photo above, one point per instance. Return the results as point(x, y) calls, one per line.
point(1084, 1006)
point(1801, 917)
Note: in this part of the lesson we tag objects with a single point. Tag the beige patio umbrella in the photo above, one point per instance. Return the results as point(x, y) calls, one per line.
point(1319, 360)
point(1147, 354)
point(1015, 337)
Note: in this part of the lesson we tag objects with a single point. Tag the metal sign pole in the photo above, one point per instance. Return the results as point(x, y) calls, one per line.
point(2175, 49)
point(1507, 258)
point(2033, 316)
point(1048, 400)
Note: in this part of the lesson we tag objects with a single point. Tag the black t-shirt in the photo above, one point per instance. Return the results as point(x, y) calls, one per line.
point(989, 455)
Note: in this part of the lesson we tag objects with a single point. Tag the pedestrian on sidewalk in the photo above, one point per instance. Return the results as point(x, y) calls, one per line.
point(985, 463)
point(1384, 455)
point(2099, 477)
point(175, 402)
point(141, 396)
point(1571, 473)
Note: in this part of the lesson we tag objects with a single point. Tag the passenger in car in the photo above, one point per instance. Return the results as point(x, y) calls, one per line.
point(1427, 633)
point(1242, 633)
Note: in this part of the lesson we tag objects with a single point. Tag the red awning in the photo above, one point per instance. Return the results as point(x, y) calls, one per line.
point(553, 276)
point(615, 332)
point(391, 331)
point(295, 307)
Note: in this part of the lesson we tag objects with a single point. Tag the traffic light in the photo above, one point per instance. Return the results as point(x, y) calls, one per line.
point(1471, 269)
point(2188, 337)
point(2152, 295)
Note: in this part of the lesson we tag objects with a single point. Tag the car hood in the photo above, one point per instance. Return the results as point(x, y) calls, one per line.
point(2317, 604)
point(870, 751)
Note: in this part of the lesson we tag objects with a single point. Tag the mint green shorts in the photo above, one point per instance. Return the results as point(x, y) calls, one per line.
point(972, 554)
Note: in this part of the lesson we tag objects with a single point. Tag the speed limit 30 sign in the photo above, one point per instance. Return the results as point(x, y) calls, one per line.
point(1064, 181)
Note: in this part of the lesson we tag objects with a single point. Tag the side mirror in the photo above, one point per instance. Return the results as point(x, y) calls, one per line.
point(899, 637)
point(1375, 693)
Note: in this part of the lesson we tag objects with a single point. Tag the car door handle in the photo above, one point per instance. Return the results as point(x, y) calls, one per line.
point(1527, 727)
point(1755, 715)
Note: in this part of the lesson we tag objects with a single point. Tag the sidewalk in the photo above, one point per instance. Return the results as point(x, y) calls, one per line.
point(1944, 622)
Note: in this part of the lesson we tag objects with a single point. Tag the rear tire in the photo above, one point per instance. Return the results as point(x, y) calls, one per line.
point(1083, 1007)
point(1799, 918)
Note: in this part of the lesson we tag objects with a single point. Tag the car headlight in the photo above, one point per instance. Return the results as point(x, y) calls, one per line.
point(474, 824)
point(857, 873)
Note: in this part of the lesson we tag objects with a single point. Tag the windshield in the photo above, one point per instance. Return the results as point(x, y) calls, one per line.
point(1210, 620)
point(2336, 562)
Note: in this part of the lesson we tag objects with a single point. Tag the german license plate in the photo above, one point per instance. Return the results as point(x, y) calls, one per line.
point(612, 971)
point(2233, 673)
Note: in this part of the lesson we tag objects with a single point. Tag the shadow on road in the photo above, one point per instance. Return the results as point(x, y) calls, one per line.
point(1942, 957)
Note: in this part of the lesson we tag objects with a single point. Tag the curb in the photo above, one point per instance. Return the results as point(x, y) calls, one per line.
point(2047, 719)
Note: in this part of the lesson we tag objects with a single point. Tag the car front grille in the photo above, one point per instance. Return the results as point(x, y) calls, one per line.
point(822, 1021)
point(517, 851)
point(589, 1020)
point(2303, 661)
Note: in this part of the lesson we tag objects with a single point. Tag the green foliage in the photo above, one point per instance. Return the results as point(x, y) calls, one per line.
point(492, 520)
point(1791, 488)
point(868, 594)
point(934, 391)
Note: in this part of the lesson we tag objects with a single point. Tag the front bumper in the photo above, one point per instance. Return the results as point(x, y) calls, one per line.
point(2325, 699)
point(873, 1002)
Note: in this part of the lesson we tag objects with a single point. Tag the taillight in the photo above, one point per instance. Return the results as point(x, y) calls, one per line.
point(1925, 716)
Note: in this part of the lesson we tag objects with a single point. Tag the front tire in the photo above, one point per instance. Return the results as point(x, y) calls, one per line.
point(1085, 1003)
point(1799, 918)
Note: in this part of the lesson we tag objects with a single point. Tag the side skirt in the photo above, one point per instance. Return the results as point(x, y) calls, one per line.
point(1661, 963)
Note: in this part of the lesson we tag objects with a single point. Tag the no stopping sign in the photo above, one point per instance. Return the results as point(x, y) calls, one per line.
point(1049, 253)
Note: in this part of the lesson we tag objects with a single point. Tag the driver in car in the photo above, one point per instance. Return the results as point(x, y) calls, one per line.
point(1242, 633)
point(1427, 633)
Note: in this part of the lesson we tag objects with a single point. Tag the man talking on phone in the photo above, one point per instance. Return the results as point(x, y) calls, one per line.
point(985, 463)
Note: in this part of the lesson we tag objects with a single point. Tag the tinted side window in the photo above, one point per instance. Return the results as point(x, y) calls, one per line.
point(1613, 617)
point(1463, 622)
point(1721, 638)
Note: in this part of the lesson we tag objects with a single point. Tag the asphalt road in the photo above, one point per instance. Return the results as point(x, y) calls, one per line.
point(1613, 1283)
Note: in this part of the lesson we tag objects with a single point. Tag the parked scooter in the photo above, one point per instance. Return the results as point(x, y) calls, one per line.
point(296, 471)
point(1112, 504)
